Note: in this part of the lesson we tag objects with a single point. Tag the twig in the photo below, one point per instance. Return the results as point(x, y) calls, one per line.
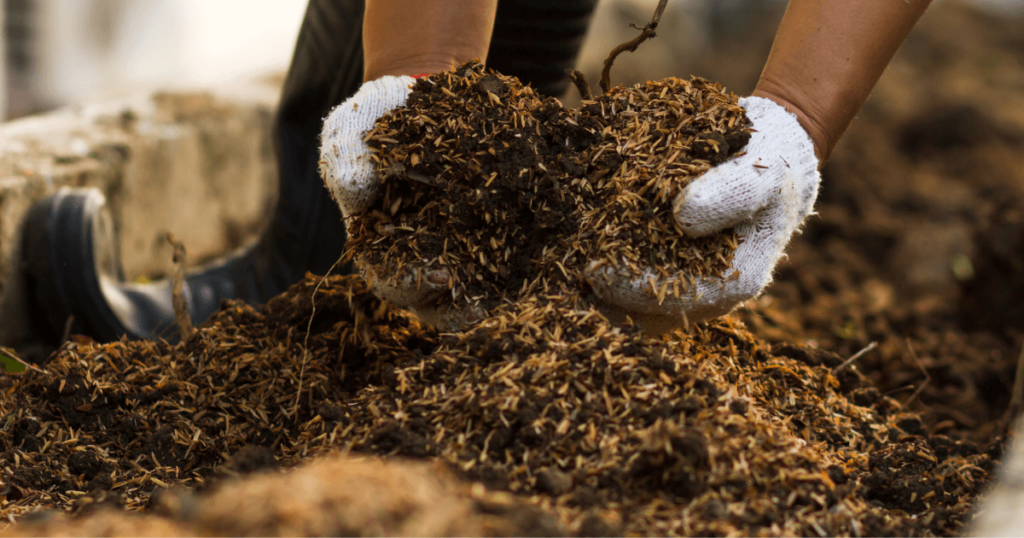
point(927, 377)
point(67, 330)
point(305, 341)
point(10, 354)
point(185, 327)
point(1017, 395)
point(855, 356)
point(582, 85)
point(647, 32)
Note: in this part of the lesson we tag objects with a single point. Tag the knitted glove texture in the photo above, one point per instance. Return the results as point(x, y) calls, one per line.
point(766, 193)
point(353, 181)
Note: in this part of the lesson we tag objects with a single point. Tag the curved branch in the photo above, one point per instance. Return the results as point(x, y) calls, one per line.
point(582, 85)
point(647, 32)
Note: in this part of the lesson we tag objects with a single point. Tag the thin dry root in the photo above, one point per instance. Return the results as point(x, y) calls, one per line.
point(582, 85)
point(631, 45)
point(185, 327)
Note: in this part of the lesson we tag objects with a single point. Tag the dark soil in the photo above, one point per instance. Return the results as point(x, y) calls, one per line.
point(916, 245)
point(139, 416)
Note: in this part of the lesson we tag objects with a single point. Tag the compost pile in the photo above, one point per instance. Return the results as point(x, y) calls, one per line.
point(749, 424)
point(605, 429)
point(513, 194)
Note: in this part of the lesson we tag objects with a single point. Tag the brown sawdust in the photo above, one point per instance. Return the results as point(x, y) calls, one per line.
point(331, 496)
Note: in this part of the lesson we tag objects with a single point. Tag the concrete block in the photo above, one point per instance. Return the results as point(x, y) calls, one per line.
point(198, 164)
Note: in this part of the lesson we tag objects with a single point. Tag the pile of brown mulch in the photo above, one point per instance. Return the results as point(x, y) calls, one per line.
point(514, 194)
point(606, 429)
point(791, 443)
point(150, 414)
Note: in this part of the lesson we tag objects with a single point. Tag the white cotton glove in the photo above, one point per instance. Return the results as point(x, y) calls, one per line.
point(353, 181)
point(345, 160)
point(765, 193)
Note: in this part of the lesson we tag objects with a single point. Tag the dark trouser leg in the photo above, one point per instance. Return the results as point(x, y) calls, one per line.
point(326, 69)
point(537, 40)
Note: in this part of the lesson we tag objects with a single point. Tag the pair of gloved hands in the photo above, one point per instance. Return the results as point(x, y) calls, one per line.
point(765, 192)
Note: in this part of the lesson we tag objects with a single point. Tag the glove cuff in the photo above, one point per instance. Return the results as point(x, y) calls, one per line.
point(344, 158)
point(786, 131)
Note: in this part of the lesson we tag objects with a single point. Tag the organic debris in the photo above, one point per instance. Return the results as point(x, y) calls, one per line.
point(133, 417)
point(181, 316)
point(919, 231)
point(647, 32)
point(879, 466)
point(513, 194)
point(610, 431)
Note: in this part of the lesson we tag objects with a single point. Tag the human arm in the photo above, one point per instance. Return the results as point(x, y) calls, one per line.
point(827, 57)
point(413, 37)
point(401, 39)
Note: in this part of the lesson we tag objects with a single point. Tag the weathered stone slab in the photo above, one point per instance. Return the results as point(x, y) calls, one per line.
point(200, 165)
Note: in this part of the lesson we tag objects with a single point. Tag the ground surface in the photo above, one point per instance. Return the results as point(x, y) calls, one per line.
point(747, 425)
point(600, 429)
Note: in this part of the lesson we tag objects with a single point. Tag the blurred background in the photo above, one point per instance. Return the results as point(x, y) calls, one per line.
point(61, 52)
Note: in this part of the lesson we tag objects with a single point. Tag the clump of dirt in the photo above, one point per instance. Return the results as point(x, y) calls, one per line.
point(665, 135)
point(514, 194)
point(331, 496)
point(599, 426)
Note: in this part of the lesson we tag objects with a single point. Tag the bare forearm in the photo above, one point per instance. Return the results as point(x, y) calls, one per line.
point(827, 57)
point(411, 37)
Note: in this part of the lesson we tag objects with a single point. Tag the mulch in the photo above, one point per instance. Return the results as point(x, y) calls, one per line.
point(513, 194)
point(712, 432)
point(752, 424)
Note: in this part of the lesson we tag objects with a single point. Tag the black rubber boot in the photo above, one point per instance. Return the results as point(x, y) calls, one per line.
point(73, 269)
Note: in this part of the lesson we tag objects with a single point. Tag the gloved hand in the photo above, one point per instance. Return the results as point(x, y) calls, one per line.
point(765, 193)
point(352, 178)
